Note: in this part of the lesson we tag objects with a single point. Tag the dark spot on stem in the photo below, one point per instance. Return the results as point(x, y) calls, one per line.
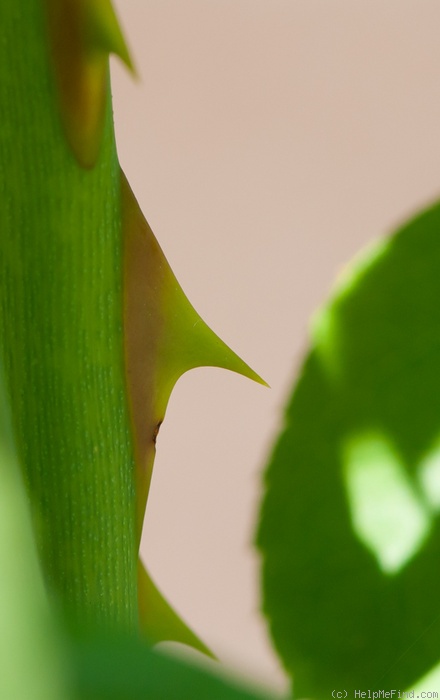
point(156, 431)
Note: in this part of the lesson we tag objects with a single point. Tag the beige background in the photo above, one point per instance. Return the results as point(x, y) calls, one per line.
point(267, 141)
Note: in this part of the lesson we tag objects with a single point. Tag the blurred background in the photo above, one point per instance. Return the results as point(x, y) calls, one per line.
point(267, 142)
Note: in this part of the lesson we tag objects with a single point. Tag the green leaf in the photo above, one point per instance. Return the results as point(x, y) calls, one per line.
point(126, 670)
point(349, 530)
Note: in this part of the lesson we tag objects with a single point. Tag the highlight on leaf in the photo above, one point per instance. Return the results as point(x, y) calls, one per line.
point(82, 35)
point(387, 512)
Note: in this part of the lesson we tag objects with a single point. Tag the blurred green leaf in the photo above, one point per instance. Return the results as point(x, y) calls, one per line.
point(349, 530)
point(31, 663)
point(125, 669)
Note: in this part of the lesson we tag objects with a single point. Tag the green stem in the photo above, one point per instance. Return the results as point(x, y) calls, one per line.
point(61, 334)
